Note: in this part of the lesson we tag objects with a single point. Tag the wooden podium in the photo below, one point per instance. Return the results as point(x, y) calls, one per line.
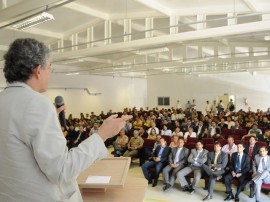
point(121, 187)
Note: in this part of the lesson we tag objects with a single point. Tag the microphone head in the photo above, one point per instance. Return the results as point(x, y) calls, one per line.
point(59, 100)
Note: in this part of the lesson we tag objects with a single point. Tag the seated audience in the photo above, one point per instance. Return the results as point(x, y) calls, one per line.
point(174, 142)
point(177, 160)
point(230, 147)
point(261, 172)
point(265, 137)
point(80, 136)
point(178, 132)
point(214, 130)
point(222, 124)
point(254, 131)
point(158, 161)
point(251, 122)
point(166, 131)
point(189, 134)
point(230, 123)
point(135, 143)
point(94, 129)
point(71, 136)
point(199, 128)
point(239, 169)
point(152, 134)
point(137, 124)
point(265, 123)
point(214, 167)
point(120, 144)
point(237, 126)
point(153, 126)
point(251, 149)
point(196, 159)
point(204, 133)
point(142, 133)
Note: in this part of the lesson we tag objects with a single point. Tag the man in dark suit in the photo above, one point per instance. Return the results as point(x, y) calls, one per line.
point(214, 130)
point(222, 124)
point(214, 167)
point(71, 136)
point(159, 161)
point(239, 168)
point(177, 160)
point(251, 149)
point(81, 136)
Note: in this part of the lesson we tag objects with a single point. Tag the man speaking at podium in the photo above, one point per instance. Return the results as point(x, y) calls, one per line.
point(35, 164)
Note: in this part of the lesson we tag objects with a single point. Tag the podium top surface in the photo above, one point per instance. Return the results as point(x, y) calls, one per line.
point(116, 168)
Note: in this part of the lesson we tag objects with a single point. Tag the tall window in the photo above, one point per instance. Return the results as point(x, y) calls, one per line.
point(164, 101)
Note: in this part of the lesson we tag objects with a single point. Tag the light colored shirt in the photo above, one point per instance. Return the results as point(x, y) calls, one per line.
point(216, 157)
point(240, 159)
point(193, 134)
point(227, 150)
point(176, 159)
point(160, 152)
point(166, 132)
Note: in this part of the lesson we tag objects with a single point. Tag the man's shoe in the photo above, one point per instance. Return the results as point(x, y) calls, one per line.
point(167, 186)
point(236, 198)
point(207, 198)
point(252, 193)
point(149, 181)
point(185, 188)
point(229, 197)
point(154, 184)
point(191, 190)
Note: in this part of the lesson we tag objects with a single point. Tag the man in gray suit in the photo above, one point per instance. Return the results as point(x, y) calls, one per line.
point(177, 160)
point(261, 171)
point(215, 167)
point(196, 159)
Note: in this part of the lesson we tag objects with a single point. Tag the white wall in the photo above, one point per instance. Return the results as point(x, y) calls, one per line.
point(256, 88)
point(116, 93)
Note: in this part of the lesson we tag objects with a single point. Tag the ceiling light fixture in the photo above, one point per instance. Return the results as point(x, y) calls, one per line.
point(73, 73)
point(33, 21)
point(193, 60)
point(152, 51)
point(267, 38)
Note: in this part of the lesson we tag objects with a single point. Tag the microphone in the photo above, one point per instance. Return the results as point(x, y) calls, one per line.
point(59, 101)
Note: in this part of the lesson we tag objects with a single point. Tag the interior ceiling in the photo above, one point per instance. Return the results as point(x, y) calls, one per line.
point(139, 38)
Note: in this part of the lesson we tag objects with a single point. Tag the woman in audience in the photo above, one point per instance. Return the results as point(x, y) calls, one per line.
point(166, 131)
point(174, 142)
point(152, 134)
point(189, 134)
point(137, 123)
point(178, 132)
point(204, 133)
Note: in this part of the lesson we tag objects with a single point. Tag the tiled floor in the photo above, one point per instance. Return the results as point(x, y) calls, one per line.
point(156, 194)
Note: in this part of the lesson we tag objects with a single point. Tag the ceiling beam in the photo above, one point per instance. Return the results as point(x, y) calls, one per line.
point(162, 40)
point(156, 6)
point(87, 10)
point(250, 5)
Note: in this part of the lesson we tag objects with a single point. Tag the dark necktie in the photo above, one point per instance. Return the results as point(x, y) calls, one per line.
point(238, 164)
point(250, 151)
